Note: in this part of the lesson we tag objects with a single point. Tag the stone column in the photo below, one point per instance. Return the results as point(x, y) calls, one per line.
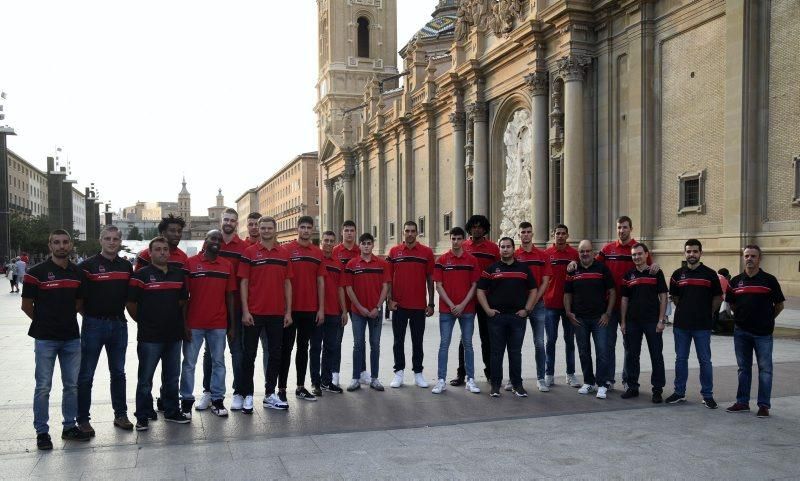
point(480, 164)
point(347, 192)
point(364, 205)
point(329, 207)
point(459, 169)
point(537, 84)
point(573, 69)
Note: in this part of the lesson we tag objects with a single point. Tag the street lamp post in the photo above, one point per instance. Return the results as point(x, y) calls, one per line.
point(5, 218)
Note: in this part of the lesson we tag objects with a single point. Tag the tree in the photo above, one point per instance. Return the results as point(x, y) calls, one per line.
point(29, 234)
point(134, 234)
point(150, 232)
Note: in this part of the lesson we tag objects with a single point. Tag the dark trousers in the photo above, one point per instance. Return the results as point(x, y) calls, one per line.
point(400, 320)
point(95, 334)
point(150, 353)
point(633, 341)
point(301, 328)
point(273, 325)
point(332, 332)
point(483, 332)
point(507, 331)
point(589, 329)
point(315, 352)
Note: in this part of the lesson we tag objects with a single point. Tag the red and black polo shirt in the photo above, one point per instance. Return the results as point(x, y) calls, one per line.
point(537, 262)
point(266, 271)
point(589, 288)
point(343, 254)
point(559, 260)
point(695, 289)
point(456, 274)
point(333, 269)
point(367, 279)
point(617, 257)
point(158, 295)
point(507, 286)
point(306, 268)
point(485, 251)
point(642, 290)
point(753, 300)
point(208, 283)
point(251, 241)
point(411, 267)
point(105, 287)
point(232, 252)
point(54, 291)
point(177, 258)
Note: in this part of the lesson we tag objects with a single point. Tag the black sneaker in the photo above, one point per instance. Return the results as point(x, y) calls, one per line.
point(75, 434)
point(159, 405)
point(43, 442)
point(142, 424)
point(302, 393)
point(177, 418)
point(186, 408)
point(657, 399)
point(630, 393)
point(495, 391)
point(153, 416)
point(218, 408)
point(676, 398)
point(316, 390)
point(458, 381)
point(332, 388)
point(282, 395)
point(519, 391)
point(710, 403)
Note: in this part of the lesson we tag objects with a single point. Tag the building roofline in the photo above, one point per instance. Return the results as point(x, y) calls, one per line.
point(18, 157)
point(289, 164)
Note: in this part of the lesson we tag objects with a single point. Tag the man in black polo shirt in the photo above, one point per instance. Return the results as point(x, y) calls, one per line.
point(104, 292)
point(506, 292)
point(696, 292)
point(756, 299)
point(50, 298)
point(644, 302)
point(156, 297)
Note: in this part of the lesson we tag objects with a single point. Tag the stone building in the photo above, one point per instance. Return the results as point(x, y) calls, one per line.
point(680, 114)
point(27, 187)
point(245, 204)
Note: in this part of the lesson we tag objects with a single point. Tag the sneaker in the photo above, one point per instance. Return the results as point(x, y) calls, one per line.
point(676, 398)
point(509, 386)
point(657, 399)
point(178, 418)
point(43, 442)
point(355, 385)
point(236, 402)
point(439, 387)
point(549, 380)
point(122, 422)
point(542, 385)
point(572, 380)
point(365, 378)
point(75, 434)
point(87, 428)
point(335, 379)
point(495, 391)
point(376, 385)
point(274, 402)
point(186, 407)
point(471, 386)
point(610, 385)
point(302, 393)
point(142, 424)
point(218, 408)
point(282, 395)
point(247, 405)
point(601, 392)
point(204, 402)
point(710, 403)
point(586, 389)
point(624, 386)
point(316, 390)
point(457, 381)
point(397, 381)
point(739, 408)
point(629, 393)
point(419, 380)
point(763, 412)
point(159, 405)
point(520, 391)
point(334, 388)
point(153, 416)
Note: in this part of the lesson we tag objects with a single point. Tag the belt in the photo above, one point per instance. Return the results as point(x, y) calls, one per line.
point(107, 318)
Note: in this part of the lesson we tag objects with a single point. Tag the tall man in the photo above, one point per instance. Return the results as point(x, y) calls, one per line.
point(104, 292)
point(756, 299)
point(456, 274)
point(170, 228)
point(265, 287)
point(335, 316)
point(156, 298)
point(412, 268)
point(50, 298)
point(642, 310)
point(588, 299)
point(539, 265)
point(697, 295)
point(253, 234)
point(343, 252)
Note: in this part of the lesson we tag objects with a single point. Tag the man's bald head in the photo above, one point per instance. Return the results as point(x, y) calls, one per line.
point(586, 252)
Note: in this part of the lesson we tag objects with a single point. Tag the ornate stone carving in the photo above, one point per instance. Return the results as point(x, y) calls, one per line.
point(477, 111)
point(458, 119)
point(519, 170)
point(497, 16)
point(338, 185)
point(557, 116)
point(573, 67)
point(537, 82)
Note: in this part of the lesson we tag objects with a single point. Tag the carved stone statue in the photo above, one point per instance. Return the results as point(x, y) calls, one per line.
point(518, 192)
point(497, 16)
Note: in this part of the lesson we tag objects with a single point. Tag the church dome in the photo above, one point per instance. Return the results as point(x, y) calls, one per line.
point(438, 26)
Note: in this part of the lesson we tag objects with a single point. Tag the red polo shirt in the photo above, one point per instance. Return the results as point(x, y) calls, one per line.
point(457, 274)
point(306, 267)
point(232, 252)
point(251, 242)
point(410, 268)
point(208, 283)
point(537, 262)
point(266, 271)
point(559, 260)
point(366, 278)
point(333, 270)
point(617, 257)
point(177, 258)
point(343, 254)
point(485, 251)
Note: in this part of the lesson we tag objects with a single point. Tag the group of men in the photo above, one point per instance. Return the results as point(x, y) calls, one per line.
point(298, 296)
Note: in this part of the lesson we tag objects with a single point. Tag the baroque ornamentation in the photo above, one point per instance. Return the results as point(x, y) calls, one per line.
point(457, 119)
point(537, 82)
point(497, 16)
point(573, 67)
point(338, 185)
point(477, 111)
point(518, 192)
point(557, 115)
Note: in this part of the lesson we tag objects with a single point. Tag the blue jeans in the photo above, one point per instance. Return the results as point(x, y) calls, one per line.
point(702, 346)
point(96, 333)
point(236, 348)
point(506, 331)
point(215, 342)
point(150, 353)
point(69, 360)
point(332, 332)
point(589, 329)
point(446, 323)
point(538, 320)
point(744, 344)
point(360, 324)
point(552, 317)
point(633, 344)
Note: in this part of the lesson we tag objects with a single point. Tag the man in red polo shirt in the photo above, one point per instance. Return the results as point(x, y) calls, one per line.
point(366, 281)
point(266, 290)
point(343, 252)
point(171, 228)
point(487, 254)
point(412, 268)
point(335, 317)
point(253, 236)
point(308, 311)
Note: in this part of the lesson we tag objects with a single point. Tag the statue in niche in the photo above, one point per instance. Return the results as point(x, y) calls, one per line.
point(518, 192)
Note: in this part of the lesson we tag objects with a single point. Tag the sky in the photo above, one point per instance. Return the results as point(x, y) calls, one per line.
point(139, 94)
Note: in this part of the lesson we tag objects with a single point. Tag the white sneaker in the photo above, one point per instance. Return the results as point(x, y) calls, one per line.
point(549, 380)
point(572, 380)
point(354, 385)
point(601, 392)
point(236, 403)
point(247, 405)
point(335, 378)
point(542, 385)
point(419, 380)
point(509, 386)
point(439, 387)
point(586, 389)
point(398, 379)
point(472, 387)
point(204, 402)
point(365, 378)
point(274, 402)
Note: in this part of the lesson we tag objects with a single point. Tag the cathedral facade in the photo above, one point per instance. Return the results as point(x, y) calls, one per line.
point(677, 113)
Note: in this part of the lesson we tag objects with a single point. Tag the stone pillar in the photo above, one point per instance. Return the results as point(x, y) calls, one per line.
point(459, 169)
point(537, 84)
point(347, 192)
point(364, 207)
point(329, 207)
point(573, 69)
point(480, 164)
point(408, 175)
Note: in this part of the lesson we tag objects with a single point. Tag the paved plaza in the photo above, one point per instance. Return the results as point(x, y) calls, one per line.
point(409, 433)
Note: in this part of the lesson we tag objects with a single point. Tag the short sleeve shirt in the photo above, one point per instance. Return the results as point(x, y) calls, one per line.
point(54, 291)
point(266, 271)
point(158, 295)
point(589, 287)
point(457, 274)
point(232, 252)
point(617, 257)
point(177, 258)
point(307, 266)
point(105, 287)
point(642, 290)
point(334, 270)
point(537, 262)
point(208, 283)
point(559, 260)
point(507, 286)
point(753, 300)
point(485, 251)
point(367, 279)
point(411, 267)
point(695, 289)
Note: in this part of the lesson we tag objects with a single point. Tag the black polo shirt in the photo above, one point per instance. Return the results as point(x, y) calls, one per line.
point(158, 294)
point(753, 301)
point(105, 289)
point(589, 287)
point(507, 286)
point(642, 289)
point(695, 289)
point(54, 291)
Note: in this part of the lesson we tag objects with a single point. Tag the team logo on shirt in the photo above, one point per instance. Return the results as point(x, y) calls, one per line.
point(101, 269)
point(51, 276)
point(199, 267)
point(740, 284)
point(497, 270)
point(152, 278)
point(258, 254)
point(683, 276)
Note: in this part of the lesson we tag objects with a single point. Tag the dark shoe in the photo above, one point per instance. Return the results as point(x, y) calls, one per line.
point(657, 399)
point(316, 390)
point(332, 388)
point(159, 405)
point(177, 418)
point(495, 391)
point(122, 422)
point(676, 398)
point(302, 393)
point(710, 403)
point(43, 442)
point(763, 412)
point(142, 424)
point(218, 408)
point(87, 428)
point(282, 395)
point(459, 381)
point(153, 416)
point(739, 408)
point(629, 393)
point(519, 391)
point(186, 408)
point(75, 434)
